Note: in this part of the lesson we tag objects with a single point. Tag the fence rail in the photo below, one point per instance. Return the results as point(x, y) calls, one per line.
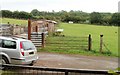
point(32, 70)
point(38, 39)
point(68, 42)
point(11, 30)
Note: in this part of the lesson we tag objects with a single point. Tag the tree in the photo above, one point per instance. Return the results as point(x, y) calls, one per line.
point(35, 12)
point(16, 14)
point(95, 18)
point(115, 20)
point(106, 17)
point(6, 13)
point(65, 16)
point(0, 14)
point(24, 15)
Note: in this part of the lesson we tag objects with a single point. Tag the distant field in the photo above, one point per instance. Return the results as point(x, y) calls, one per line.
point(110, 33)
point(13, 21)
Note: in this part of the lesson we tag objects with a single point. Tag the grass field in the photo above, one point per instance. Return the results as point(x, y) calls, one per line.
point(110, 34)
point(13, 21)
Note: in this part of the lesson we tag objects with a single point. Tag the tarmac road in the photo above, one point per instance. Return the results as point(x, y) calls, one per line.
point(76, 61)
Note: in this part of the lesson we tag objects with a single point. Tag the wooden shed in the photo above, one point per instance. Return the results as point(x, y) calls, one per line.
point(43, 26)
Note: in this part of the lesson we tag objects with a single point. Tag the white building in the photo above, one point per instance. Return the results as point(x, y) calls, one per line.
point(71, 22)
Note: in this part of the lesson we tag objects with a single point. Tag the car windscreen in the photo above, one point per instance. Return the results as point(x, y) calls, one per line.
point(27, 45)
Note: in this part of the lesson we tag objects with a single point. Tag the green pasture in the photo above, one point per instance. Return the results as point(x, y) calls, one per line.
point(110, 33)
point(13, 21)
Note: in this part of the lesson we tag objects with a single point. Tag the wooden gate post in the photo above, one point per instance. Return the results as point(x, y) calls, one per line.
point(29, 29)
point(89, 42)
point(101, 43)
point(43, 40)
point(36, 28)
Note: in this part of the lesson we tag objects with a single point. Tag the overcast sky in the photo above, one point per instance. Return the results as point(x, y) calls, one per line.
point(57, 5)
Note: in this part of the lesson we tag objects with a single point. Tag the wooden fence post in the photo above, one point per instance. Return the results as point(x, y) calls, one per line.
point(43, 40)
point(101, 43)
point(89, 42)
point(29, 29)
point(36, 28)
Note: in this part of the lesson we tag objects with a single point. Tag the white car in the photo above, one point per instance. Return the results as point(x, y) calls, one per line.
point(17, 51)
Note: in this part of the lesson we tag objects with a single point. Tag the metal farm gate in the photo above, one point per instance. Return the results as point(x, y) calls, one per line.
point(37, 39)
point(68, 43)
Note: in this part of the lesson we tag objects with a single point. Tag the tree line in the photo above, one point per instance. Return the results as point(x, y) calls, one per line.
point(64, 16)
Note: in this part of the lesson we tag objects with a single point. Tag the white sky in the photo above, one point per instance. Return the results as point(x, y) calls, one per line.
point(57, 5)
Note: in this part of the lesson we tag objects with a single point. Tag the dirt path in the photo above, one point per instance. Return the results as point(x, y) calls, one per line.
point(76, 61)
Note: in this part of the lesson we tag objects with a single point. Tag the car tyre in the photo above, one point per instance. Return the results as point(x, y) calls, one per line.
point(31, 64)
point(4, 61)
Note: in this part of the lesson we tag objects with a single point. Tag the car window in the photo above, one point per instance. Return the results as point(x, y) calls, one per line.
point(9, 44)
point(27, 45)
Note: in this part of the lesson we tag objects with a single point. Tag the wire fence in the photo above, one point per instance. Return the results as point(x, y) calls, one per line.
point(32, 70)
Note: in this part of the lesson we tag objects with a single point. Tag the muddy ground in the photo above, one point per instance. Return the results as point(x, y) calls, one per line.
point(76, 61)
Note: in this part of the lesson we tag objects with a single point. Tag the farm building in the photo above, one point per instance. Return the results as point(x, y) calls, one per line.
point(71, 22)
point(43, 26)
